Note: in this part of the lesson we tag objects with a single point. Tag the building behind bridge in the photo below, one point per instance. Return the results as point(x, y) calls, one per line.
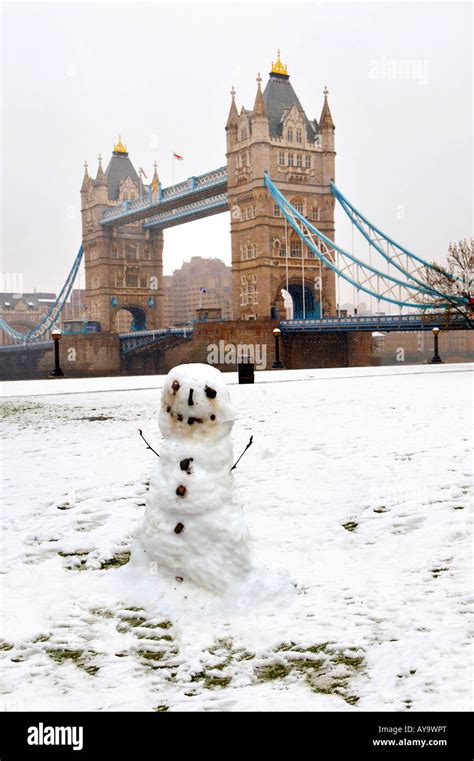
point(23, 311)
point(198, 283)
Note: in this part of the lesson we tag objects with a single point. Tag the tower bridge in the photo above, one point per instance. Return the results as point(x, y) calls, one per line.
point(278, 183)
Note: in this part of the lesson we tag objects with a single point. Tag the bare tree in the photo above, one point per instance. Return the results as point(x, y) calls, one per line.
point(452, 287)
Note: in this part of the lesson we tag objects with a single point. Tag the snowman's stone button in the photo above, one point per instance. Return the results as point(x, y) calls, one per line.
point(175, 386)
point(181, 491)
point(213, 417)
point(211, 393)
point(178, 528)
point(186, 464)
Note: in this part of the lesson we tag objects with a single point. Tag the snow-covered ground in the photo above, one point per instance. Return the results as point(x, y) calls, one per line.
point(357, 490)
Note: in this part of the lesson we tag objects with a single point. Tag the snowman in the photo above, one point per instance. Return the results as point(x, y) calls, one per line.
point(193, 528)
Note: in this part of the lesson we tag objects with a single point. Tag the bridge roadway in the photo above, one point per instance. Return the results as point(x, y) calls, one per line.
point(196, 193)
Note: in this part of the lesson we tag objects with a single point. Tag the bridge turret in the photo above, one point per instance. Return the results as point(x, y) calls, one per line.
point(100, 185)
point(85, 181)
point(260, 126)
point(326, 124)
point(232, 122)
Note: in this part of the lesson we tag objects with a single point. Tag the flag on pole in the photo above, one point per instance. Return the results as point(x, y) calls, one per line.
point(177, 156)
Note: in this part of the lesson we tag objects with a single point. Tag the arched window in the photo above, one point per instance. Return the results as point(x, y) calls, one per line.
point(299, 205)
point(281, 158)
point(296, 246)
point(307, 162)
point(290, 159)
point(315, 214)
point(243, 133)
point(290, 135)
point(299, 137)
point(276, 210)
point(299, 160)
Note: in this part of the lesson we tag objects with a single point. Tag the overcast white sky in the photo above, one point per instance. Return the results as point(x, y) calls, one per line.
point(75, 75)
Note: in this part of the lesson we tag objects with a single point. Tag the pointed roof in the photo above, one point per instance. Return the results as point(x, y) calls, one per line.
point(259, 105)
point(86, 179)
point(325, 120)
point(233, 113)
point(120, 167)
point(279, 97)
point(155, 181)
point(100, 178)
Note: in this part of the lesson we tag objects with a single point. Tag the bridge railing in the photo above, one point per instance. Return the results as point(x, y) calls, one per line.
point(371, 321)
point(200, 182)
point(156, 333)
point(187, 209)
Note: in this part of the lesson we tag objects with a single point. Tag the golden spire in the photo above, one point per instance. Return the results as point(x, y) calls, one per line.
point(120, 147)
point(278, 67)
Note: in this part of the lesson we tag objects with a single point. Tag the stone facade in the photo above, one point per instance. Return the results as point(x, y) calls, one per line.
point(123, 265)
point(277, 137)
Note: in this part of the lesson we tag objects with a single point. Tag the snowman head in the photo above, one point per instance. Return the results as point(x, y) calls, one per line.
point(195, 403)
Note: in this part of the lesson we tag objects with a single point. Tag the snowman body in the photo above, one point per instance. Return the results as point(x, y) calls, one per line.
point(193, 526)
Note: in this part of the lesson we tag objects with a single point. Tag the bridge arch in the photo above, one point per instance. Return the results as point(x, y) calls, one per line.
point(297, 292)
point(128, 318)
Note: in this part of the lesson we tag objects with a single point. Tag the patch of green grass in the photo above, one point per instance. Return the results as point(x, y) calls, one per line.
point(102, 612)
point(121, 558)
point(350, 525)
point(273, 671)
point(60, 655)
point(151, 655)
point(216, 681)
point(134, 621)
point(211, 680)
point(41, 638)
point(328, 671)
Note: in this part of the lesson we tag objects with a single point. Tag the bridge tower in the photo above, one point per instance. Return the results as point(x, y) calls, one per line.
point(298, 153)
point(123, 264)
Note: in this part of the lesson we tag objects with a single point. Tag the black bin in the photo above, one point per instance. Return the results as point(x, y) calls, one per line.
point(246, 370)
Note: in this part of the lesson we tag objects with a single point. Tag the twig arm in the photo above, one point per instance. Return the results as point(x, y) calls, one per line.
point(239, 459)
point(147, 444)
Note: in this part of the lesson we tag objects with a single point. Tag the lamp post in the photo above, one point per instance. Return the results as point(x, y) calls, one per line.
point(277, 364)
point(436, 359)
point(57, 372)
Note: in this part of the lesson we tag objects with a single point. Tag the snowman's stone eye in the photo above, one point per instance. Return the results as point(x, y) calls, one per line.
point(178, 528)
point(181, 491)
point(213, 417)
point(175, 386)
point(190, 397)
point(168, 409)
point(210, 392)
point(186, 464)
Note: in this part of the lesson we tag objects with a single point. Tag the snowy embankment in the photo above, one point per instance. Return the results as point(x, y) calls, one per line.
point(357, 489)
